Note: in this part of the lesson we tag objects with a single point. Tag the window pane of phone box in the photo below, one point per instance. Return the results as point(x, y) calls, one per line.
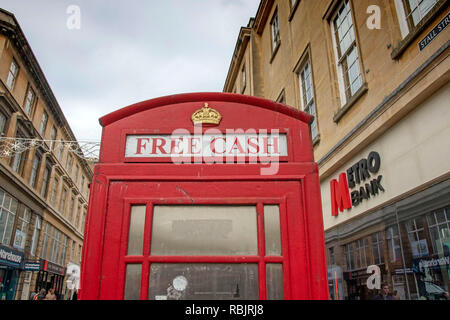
point(204, 230)
point(203, 281)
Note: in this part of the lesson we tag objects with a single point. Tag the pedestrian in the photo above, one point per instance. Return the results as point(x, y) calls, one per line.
point(395, 295)
point(32, 295)
point(50, 295)
point(40, 295)
point(384, 294)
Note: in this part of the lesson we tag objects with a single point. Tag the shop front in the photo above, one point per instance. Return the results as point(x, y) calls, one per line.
point(51, 275)
point(387, 210)
point(11, 265)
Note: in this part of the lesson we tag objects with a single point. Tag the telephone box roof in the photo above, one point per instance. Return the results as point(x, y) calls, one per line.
point(203, 96)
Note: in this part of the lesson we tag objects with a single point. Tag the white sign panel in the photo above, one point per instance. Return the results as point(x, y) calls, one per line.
point(207, 145)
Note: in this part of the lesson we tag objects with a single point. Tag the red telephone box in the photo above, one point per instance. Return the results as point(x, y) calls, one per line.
point(205, 196)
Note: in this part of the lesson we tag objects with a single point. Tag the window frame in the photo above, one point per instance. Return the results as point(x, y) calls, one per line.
point(305, 59)
point(275, 33)
point(345, 93)
point(14, 77)
point(28, 106)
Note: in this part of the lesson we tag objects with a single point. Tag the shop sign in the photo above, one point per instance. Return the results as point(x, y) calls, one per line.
point(363, 175)
point(54, 268)
point(11, 257)
point(208, 145)
point(31, 265)
point(434, 33)
point(433, 263)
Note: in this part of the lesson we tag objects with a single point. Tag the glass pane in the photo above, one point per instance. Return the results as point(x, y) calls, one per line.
point(133, 282)
point(204, 230)
point(179, 281)
point(136, 234)
point(274, 282)
point(272, 230)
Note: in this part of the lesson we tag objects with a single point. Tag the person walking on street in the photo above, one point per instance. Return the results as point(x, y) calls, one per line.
point(384, 294)
point(40, 295)
point(51, 294)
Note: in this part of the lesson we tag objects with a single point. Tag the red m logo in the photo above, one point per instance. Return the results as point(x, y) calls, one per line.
point(340, 196)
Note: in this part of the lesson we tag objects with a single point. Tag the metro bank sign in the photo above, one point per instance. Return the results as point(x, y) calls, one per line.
point(362, 174)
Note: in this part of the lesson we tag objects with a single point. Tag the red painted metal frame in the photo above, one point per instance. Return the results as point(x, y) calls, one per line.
point(116, 185)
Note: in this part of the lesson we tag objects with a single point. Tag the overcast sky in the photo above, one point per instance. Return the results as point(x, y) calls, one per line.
point(128, 52)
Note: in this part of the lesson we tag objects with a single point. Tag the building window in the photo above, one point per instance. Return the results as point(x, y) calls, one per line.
point(415, 10)
point(36, 233)
point(45, 241)
point(331, 257)
point(8, 210)
point(29, 101)
point(362, 248)
point(350, 259)
point(63, 250)
point(377, 248)
point(83, 222)
point(44, 121)
point(72, 202)
point(75, 178)
point(35, 169)
point(17, 162)
point(45, 181)
point(417, 239)
point(55, 245)
point(244, 78)
point(282, 97)
point(346, 51)
point(82, 184)
point(62, 203)
point(2, 124)
point(439, 227)
point(307, 95)
point(69, 162)
point(53, 138)
point(54, 188)
point(23, 221)
point(274, 26)
point(60, 149)
point(12, 75)
point(393, 243)
point(77, 219)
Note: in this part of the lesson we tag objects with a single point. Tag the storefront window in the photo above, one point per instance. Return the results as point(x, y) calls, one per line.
point(377, 248)
point(416, 236)
point(393, 242)
point(439, 227)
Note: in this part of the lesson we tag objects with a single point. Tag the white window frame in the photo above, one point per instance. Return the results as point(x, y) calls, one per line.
point(402, 15)
point(275, 31)
point(12, 74)
point(306, 105)
point(29, 101)
point(344, 97)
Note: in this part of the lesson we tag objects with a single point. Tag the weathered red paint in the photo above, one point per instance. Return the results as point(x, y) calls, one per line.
point(119, 182)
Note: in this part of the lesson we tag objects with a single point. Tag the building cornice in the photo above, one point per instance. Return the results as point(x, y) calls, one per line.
point(11, 28)
point(238, 54)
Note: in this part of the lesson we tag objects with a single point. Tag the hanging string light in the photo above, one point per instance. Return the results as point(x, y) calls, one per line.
point(88, 150)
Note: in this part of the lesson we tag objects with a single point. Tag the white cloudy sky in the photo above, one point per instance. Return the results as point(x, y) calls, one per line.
point(128, 51)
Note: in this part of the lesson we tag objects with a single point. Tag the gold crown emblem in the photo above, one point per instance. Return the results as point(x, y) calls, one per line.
point(206, 115)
